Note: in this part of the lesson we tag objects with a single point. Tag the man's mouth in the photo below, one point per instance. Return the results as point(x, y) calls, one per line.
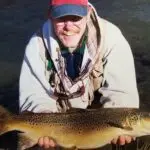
point(69, 33)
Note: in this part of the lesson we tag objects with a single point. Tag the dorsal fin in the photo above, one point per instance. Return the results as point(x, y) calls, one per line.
point(76, 110)
point(27, 112)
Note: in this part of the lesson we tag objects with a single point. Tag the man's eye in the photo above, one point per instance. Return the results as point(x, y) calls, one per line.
point(76, 18)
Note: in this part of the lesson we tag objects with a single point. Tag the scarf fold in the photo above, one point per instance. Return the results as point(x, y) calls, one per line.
point(91, 54)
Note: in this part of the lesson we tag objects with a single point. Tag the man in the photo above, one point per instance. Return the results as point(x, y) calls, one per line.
point(77, 58)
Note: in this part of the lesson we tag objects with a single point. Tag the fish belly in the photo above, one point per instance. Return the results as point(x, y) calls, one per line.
point(87, 140)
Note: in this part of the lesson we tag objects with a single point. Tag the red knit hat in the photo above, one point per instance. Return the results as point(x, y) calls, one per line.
point(60, 8)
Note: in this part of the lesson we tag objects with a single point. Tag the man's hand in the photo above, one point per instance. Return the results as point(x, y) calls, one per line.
point(122, 140)
point(46, 142)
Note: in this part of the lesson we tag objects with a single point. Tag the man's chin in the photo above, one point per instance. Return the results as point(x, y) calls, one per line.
point(71, 46)
point(72, 49)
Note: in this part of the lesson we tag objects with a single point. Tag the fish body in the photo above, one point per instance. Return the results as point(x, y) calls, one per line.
point(82, 129)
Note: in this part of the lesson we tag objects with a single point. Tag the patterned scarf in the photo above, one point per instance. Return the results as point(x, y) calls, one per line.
point(90, 58)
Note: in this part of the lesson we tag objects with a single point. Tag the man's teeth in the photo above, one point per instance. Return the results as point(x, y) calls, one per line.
point(69, 33)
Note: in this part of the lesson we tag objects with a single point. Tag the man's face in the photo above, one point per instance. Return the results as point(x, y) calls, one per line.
point(70, 29)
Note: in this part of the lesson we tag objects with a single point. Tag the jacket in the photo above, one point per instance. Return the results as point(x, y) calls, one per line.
point(111, 64)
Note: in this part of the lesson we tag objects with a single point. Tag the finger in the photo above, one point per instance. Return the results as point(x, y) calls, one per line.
point(121, 140)
point(52, 143)
point(40, 141)
point(134, 138)
point(114, 141)
point(128, 139)
point(46, 142)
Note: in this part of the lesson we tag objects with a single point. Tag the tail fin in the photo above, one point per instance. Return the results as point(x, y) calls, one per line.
point(5, 116)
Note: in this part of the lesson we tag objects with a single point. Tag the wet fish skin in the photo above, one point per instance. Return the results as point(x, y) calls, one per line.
point(76, 128)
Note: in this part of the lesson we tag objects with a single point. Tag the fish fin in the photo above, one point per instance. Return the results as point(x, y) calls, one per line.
point(27, 112)
point(5, 116)
point(118, 125)
point(70, 148)
point(80, 110)
point(4, 113)
point(76, 110)
point(73, 148)
point(25, 141)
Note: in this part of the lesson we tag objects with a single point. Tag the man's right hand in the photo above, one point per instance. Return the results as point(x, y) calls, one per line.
point(46, 142)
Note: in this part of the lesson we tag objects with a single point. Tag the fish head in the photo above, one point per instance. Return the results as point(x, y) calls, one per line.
point(145, 122)
point(5, 116)
point(140, 123)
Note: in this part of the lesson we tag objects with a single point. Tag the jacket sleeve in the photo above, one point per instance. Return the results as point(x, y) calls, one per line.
point(34, 90)
point(119, 88)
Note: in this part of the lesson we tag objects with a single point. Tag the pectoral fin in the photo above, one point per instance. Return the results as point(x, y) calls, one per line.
point(27, 112)
point(74, 110)
point(80, 110)
point(24, 141)
point(120, 125)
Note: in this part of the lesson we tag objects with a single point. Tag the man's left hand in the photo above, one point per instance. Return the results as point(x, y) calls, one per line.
point(122, 140)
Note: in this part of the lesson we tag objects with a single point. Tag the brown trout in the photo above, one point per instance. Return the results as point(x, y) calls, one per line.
point(81, 129)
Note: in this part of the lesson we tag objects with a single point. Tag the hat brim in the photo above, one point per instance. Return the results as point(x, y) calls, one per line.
point(68, 9)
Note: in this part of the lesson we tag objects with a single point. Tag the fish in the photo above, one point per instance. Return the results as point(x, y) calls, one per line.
point(77, 128)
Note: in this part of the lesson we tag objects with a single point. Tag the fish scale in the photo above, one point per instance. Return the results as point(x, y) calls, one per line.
point(76, 127)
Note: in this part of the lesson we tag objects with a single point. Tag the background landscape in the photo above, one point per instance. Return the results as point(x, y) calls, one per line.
point(20, 19)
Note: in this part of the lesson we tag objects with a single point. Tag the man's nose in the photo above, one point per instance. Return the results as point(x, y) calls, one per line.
point(68, 23)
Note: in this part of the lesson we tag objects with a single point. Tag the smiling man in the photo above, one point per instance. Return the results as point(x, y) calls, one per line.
point(77, 59)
